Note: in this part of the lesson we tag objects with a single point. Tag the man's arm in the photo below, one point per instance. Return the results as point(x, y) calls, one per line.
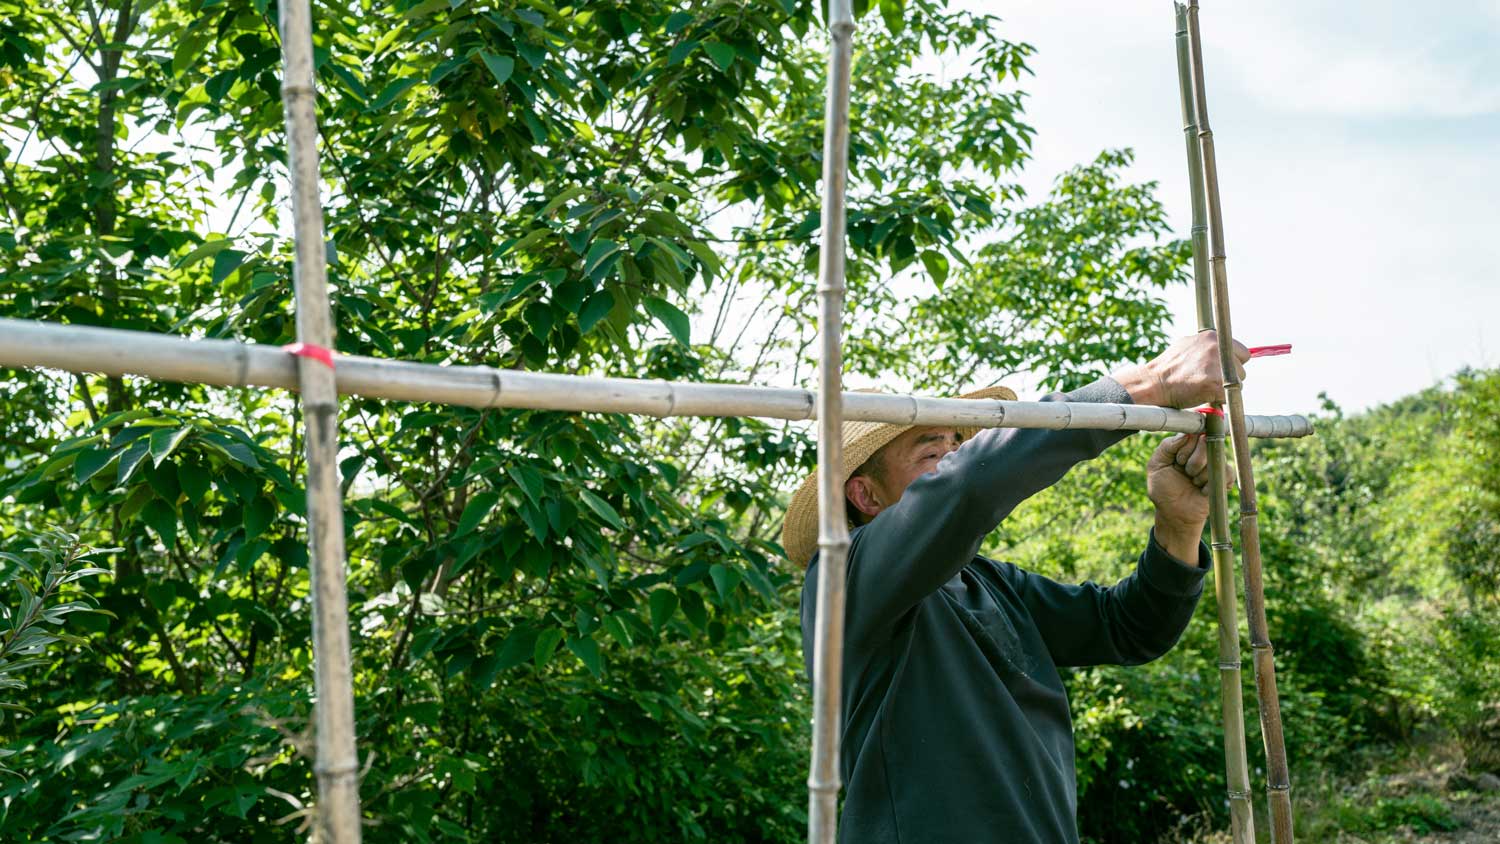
point(920, 542)
point(1141, 617)
point(1135, 621)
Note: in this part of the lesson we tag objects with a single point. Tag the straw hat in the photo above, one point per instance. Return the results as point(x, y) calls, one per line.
point(799, 534)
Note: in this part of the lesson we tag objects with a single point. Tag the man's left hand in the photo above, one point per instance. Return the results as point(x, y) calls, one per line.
point(1177, 483)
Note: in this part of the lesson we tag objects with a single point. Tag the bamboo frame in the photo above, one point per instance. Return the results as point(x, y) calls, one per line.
point(823, 779)
point(1278, 781)
point(337, 764)
point(230, 363)
point(1236, 769)
point(114, 351)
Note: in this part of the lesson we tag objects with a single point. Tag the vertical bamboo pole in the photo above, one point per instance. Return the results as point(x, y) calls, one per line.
point(833, 533)
point(337, 764)
point(1278, 781)
point(1237, 774)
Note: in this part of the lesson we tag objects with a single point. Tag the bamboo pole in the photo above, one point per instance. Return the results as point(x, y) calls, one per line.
point(823, 778)
point(114, 351)
point(1236, 770)
point(337, 763)
point(1278, 781)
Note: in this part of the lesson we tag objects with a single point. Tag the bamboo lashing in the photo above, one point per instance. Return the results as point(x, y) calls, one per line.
point(823, 777)
point(1236, 768)
point(229, 363)
point(336, 814)
point(1278, 781)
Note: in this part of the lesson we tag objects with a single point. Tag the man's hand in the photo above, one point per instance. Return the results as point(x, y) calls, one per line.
point(1177, 483)
point(1187, 374)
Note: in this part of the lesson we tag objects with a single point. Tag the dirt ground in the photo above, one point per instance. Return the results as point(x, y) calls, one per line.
point(1470, 803)
point(1480, 820)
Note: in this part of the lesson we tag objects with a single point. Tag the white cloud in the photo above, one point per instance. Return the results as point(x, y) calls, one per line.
point(1365, 60)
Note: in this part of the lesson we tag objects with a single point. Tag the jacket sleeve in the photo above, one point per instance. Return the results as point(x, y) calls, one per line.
point(920, 542)
point(1135, 621)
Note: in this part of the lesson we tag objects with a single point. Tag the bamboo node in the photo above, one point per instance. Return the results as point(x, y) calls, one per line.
point(297, 91)
point(1230, 666)
point(499, 381)
point(1222, 546)
point(1284, 788)
point(1263, 646)
point(671, 396)
point(243, 356)
point(1235, 794)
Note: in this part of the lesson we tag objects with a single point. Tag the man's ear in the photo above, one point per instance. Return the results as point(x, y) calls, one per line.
point(860, 491)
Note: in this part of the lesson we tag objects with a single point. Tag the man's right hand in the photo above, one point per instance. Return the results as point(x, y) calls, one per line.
point(1187, 374)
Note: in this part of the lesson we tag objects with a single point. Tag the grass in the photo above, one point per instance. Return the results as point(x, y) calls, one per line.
point(1382, 796)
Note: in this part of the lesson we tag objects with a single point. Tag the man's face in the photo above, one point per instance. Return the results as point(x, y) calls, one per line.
point(904, 459)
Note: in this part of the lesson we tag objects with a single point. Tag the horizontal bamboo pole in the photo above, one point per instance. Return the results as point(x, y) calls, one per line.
point(229, 363)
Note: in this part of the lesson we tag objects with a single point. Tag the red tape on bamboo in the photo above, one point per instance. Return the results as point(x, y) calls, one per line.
point(320, 354)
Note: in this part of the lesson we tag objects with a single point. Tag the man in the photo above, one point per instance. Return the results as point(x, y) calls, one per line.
point(956, 724)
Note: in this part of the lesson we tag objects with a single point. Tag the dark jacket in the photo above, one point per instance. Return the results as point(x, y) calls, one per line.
point(956, 723)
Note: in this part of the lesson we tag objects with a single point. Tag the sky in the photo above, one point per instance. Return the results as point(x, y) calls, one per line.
point(1359, 164)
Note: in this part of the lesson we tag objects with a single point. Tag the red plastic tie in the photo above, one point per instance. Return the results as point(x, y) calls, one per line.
point(308, 350)
point(1270, 351)
point(1209, 411)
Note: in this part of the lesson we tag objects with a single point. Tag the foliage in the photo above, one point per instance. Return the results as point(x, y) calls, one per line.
point(579, 626)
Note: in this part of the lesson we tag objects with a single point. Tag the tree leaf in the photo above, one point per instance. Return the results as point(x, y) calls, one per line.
point(722, 54)
point(599, 252)
point(663, 605)
point(546, 643)
point(501, 67)
point(258, 515)
point(693, 609)
point(596, 308)
point(90, 462)
point(617, 629)
point(587, 651)
point(680, 52)
point(391, 92)
point(937, 266)
point(667, 313)
point(165, 441)
point(725, 579)
point(225, 263)
point(162, 519)
point(519, 645)
point(478, 507)
point(131, 459)
point(706, 256)
point(601, 508)
point(194, 480)
point(893, 12)
point(529, 479)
